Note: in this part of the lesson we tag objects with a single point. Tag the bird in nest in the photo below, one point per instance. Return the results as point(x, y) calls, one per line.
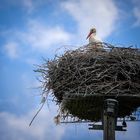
point(93, 41)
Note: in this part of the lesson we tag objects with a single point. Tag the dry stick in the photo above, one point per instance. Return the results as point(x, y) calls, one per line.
point(112, 88)
point(36, 113)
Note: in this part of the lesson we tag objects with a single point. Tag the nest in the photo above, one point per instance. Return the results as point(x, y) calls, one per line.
point(81, 79)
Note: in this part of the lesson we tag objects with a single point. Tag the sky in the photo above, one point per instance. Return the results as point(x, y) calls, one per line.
point(31, 30)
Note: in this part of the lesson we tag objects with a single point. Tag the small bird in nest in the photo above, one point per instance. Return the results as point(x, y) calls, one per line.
point(93, 41)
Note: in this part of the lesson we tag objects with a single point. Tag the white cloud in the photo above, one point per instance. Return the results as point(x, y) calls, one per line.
point(137, 16)
point(17, 127)
point(136, 12)
point(41, 37)
point(11, 49)
point(37, 37)
point(32, 5)
point(132, 133)
point(29, 5)
point(32, 61)
point(101, 14)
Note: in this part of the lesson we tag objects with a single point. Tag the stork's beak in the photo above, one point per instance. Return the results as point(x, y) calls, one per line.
point(89, 34)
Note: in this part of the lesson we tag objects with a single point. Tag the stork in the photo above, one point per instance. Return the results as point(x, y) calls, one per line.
point(93, 41)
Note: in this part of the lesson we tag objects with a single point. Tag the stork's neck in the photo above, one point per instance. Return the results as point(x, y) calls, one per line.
point(93, 34)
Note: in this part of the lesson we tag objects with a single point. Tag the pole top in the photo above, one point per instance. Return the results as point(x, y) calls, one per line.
point(111, 107)
point(111, 100)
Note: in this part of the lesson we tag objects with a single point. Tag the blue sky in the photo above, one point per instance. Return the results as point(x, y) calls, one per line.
point(32, 29)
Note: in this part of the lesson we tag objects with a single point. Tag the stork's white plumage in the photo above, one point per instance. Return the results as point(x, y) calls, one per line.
point(92, 36)
point(93, 39)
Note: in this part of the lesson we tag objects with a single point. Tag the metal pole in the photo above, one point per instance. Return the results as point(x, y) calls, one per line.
point(109, 118)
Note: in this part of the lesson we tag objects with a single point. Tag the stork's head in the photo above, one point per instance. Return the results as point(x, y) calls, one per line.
point(92, 30)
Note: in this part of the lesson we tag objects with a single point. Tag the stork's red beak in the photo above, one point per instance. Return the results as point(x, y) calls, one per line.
point(89, 35)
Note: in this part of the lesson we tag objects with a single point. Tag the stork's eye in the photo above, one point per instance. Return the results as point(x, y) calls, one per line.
point(92, 30)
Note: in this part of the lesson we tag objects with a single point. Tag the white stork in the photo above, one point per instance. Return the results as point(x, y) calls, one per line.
point(93, 41)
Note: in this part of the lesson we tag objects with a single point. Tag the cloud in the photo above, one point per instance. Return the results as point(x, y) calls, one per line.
point(137, 16)
point(101, 14)
point(136, 12)
point(32, 5)
point(132, 133)
point(29, 6)
point(16, 127)
point(11, 49)
point(36, 37)
point(41, 37)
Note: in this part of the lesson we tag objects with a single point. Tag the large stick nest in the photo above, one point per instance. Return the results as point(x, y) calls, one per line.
point(81, 79)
